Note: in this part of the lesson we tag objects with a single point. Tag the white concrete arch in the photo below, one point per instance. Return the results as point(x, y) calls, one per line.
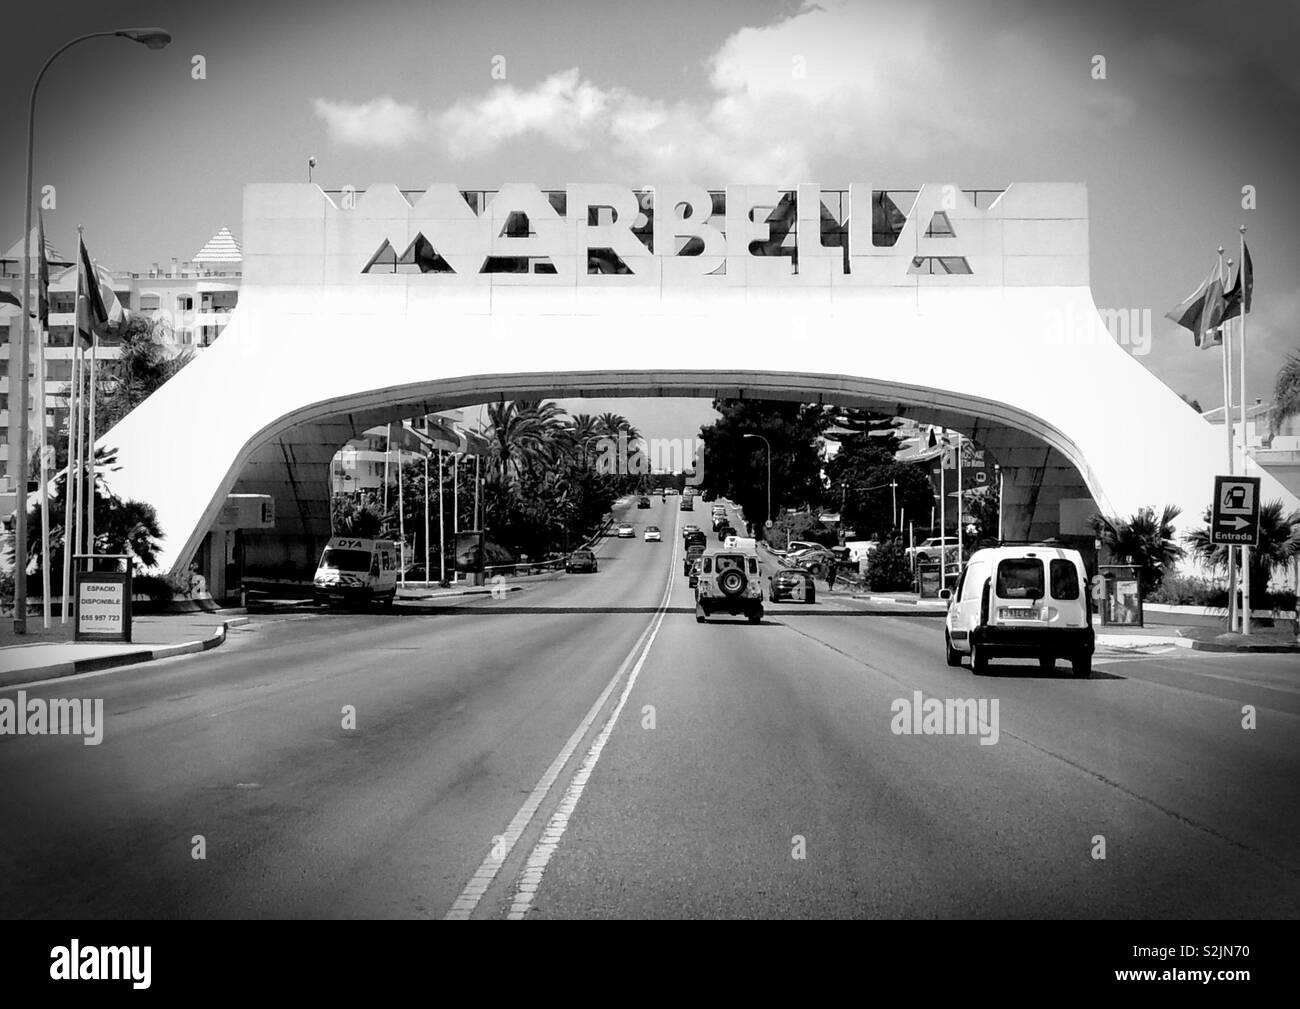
point(1015, 353)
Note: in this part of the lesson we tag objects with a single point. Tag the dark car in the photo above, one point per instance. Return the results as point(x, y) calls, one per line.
point(693, 553)
point(793, 584)
point(581, 560)
point(725, 530)
point(643, 502)
point(696, 538)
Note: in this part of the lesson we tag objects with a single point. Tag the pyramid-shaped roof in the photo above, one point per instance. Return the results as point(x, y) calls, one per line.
point(52, 254)
point(221, 248)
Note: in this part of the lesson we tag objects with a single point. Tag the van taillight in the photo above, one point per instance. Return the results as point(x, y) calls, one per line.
point(984, 601)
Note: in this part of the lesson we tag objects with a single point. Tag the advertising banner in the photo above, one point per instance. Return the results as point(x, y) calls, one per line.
point(470, 551)
point(103, 606)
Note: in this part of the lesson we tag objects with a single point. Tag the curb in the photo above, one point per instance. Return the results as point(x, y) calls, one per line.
point(484, 591)
point(1214, 646)
point(36, 674)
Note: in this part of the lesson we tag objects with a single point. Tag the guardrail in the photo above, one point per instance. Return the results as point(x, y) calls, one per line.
point(537, 567)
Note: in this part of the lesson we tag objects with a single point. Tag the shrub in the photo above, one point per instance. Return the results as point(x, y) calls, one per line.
point(157, 589)
point(887, 567)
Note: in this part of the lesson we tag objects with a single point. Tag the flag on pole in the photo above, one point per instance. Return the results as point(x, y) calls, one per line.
point(42, 275)
point(1201, 312)
point(1242, 288)
point(98, 309)
point(9, 298)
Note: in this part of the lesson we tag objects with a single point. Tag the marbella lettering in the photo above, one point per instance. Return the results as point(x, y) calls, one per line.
point(744, 235)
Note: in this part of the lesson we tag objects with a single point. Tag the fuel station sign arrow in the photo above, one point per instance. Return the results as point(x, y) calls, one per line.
point(1235, 517)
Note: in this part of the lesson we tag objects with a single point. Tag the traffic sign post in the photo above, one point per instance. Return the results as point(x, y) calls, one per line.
point(1235, 518)
point(1234, 522)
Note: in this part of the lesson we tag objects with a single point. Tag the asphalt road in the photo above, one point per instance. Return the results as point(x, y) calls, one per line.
point(584, 748)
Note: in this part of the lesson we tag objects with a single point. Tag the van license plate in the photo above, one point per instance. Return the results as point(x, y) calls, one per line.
point(1018, 614)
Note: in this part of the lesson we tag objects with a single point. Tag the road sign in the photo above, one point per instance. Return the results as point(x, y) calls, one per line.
point(1235, 518)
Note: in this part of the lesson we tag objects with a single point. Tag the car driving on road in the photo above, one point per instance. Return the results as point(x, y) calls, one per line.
point(794, 584)
point(1021, 602)
point(652, 534)
point(728, 582)
point(581, 559)
point(626, 532)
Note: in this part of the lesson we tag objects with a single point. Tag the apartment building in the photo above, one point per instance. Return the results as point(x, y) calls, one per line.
point(191, 302)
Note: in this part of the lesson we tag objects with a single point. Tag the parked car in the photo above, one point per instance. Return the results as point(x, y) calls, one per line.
point(728, 582)
point(745, 544)
point(794, 584)
point(652, 534)
point(581, 559)
point(688, 529)
point(693, 553)
point(725, 530)
point(625, 531)
point(696, 538)
point(928, 550)
point(1022, 601)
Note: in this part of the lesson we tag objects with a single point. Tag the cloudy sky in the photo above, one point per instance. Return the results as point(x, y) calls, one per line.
point(1199, 100)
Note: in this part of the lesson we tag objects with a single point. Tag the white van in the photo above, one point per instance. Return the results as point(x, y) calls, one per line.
point(356, 571)
point(1021, 601)
point(745, 544)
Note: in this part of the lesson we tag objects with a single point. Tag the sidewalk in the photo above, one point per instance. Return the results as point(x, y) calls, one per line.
point(153, 637)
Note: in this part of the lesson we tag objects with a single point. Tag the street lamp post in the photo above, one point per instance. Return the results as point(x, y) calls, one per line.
point(154, 38)
point(769, 471)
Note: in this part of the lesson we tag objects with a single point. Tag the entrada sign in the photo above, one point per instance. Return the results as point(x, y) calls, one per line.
point(750, 235)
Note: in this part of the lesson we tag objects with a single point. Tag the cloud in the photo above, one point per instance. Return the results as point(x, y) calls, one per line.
point(831, 82)
point(382, 122)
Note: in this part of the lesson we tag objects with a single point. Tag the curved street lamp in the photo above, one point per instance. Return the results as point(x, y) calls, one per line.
point(153, 38)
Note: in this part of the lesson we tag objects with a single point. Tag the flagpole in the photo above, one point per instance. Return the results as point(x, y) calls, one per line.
point(943, 513)
point(1225, 345)
point(427, 572)
point(68, 486)
point(45, 484)
point(401, 515)
point(442, 540)
point(959, 502)
point(1241, 367)
point(70, 536)
point(90, 451)
point(388, 451)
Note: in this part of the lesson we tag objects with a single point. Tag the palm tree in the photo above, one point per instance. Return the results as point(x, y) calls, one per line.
point(1279, 544)
point(520, 438)
point(1145, 540)
point(1286, 392)
point(610, 424)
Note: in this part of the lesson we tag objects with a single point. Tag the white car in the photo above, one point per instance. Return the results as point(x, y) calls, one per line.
point(1021, 602)
point(928, 550)
point(652, 534)
point(626, 532)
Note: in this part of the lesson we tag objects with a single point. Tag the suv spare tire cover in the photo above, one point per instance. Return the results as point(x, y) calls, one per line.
point(732, 582)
